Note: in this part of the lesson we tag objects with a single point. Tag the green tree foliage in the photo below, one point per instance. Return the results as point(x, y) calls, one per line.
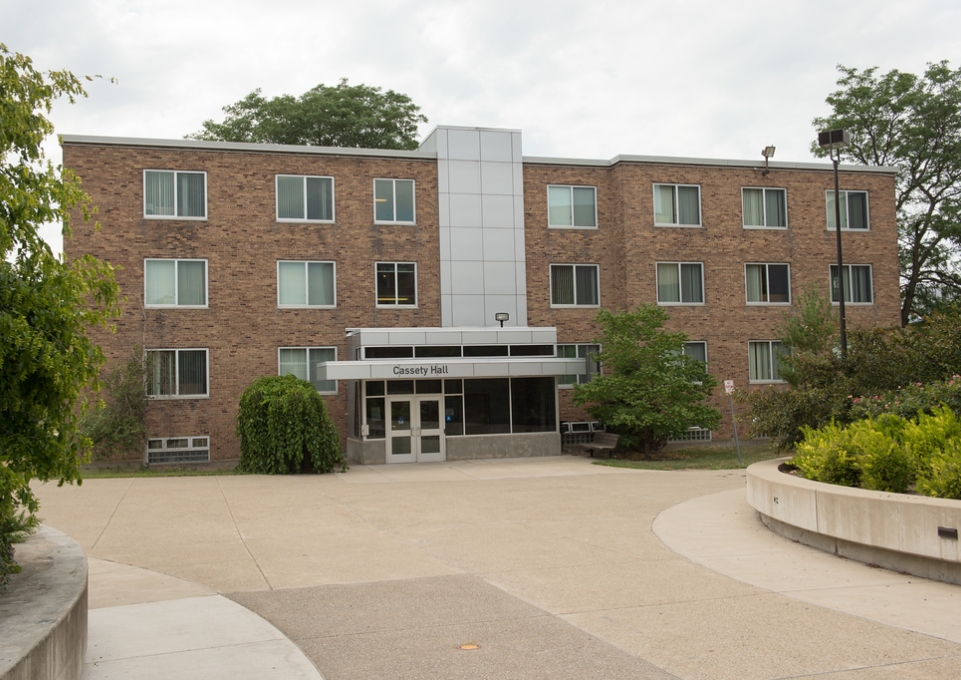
point(914, 123)
point(903, 367)
point(650, 389)
point(46, 305)
point(344, 115)
point(117, 427)
point(284, 428)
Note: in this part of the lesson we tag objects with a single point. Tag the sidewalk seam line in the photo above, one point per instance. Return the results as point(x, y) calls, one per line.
point(241, 536)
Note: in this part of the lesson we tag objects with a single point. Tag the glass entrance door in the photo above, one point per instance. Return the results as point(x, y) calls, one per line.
point(415, 430)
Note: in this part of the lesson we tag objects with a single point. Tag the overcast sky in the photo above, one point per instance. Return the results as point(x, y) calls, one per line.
point(704, 78)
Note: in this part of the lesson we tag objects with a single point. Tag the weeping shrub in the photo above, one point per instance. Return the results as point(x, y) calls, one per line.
point(284, 428)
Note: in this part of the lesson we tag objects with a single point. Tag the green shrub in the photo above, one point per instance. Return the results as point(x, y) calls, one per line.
point(118, 428)
point(284, 428)
point(909, 400)
point(823, 457)
point(888, 453)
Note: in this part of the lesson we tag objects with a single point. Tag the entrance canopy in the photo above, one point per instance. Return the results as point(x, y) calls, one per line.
point(450, 352)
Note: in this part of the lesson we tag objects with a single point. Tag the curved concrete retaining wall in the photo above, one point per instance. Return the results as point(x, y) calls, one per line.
point(43, 612)
point(891, 530)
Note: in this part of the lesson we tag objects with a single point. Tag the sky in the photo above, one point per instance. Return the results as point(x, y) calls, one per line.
point(697, 78)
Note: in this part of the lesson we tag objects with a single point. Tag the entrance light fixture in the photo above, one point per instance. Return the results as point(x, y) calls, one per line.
point(502, 317)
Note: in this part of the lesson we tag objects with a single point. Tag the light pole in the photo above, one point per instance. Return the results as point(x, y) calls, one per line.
point(834, 141)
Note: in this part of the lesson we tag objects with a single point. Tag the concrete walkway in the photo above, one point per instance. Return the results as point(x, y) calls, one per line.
point(543, 568)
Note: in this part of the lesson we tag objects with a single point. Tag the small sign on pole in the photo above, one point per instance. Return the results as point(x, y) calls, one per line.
point(729, 389)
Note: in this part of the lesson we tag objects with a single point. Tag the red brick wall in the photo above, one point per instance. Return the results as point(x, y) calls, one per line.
point(627, 245)
point(242, 241)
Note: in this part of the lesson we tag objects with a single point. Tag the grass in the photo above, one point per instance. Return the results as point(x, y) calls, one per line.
point(698, 458)
point(119, 472)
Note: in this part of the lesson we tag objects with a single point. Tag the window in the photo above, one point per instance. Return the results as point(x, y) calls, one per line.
point(178, 450)
point(302, 198)
point(394, 200)
point(175, 283)
point(854, 210)
point(176, 373)
point(763, 359)
point(574, 285)
point(680, 283)
point(397, 284)
point(571, 206)
point(768, 284)
point(533, 407)
point(305, 284)
point(857, 284)
point(696, 350)
point(764, 208)
point(677, 204)
point(591, 366)
point(302, 362)
point(487, 406)
point(171, 194)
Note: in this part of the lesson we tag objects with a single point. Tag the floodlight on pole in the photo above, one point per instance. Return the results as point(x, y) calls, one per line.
point(502, 317)
point(768, 153)
point(834, 141)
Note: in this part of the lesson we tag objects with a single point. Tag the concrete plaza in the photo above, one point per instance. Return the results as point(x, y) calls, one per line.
point(544, 568)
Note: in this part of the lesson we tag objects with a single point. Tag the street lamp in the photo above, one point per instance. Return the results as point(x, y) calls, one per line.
point(834, 141)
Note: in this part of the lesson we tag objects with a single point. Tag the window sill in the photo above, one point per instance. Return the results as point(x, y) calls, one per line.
point(845, 230)
point(767, 304)
point(175, 218)
point(286, 220)
point(380, 306)
point(853, 304)
point(759, 228)
point(569, 226)
point(575, 306)
point(394, 224)
point(176, 307)
point(306, 306)
point(177, 397)
point(680, 226)
point(682, 304)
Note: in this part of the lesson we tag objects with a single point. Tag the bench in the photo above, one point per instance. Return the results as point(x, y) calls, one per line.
point(604, 442)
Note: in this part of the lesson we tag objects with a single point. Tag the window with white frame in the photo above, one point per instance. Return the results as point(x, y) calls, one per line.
point(680, 283)
point(176, 373)
point(575, 285)
point(396, 284)
point(854, 210)
point(592, 367)
point(173, 194)
point(302, 362)
point(175, 283)
point(304, 198)
point(696, 350)
point(178, 450)
point(677, 205)
point(570, 206)
point(394, 201)
point(768, 284)
point(305, 284)
point(857, 284)
point(763, 359)
point(764, 208)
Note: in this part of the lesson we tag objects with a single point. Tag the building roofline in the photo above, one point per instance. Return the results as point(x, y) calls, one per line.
point(96, 140)
point(200, 144)
point(716, 162)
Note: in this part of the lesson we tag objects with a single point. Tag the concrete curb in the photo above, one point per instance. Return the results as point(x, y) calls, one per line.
point(895, 531)
point(43, 613)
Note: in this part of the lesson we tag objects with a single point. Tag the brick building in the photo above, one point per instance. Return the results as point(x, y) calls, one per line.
point(378, 275)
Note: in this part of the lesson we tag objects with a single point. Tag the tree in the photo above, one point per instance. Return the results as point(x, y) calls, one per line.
point(119, 426)
point(344, 115)
point(913, 123)
point(46, 304)
point(650, 389)
point(284, 428)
